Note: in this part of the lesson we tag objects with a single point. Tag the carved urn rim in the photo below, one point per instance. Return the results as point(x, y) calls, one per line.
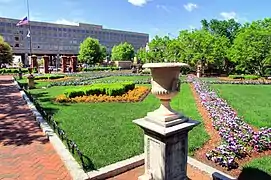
point(164, 65)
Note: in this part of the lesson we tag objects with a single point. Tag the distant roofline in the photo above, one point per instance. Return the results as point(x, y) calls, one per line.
point(80, 25)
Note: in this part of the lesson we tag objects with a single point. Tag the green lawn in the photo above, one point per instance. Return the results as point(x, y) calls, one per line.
point(263, 164)
point(105, 133)
point(253, 102)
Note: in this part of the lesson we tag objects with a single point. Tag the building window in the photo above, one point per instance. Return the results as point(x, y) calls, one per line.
point(17, 45)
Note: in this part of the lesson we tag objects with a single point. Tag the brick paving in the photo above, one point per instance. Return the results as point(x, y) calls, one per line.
point(25, 152)
point(192, 173)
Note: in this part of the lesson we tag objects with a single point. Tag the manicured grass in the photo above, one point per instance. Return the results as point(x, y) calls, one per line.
point(38, 83)
point(253, 102)
point(209, 79)
point(105, 133)
point(263, 164)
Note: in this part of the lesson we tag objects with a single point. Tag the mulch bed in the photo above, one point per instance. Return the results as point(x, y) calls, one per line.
point(215, 140)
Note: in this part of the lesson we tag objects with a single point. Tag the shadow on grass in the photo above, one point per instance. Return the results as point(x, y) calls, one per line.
point(88, 164)
point(253, 174)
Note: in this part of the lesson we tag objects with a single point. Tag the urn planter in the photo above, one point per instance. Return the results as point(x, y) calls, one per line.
point(165, 84)
point(165, 130)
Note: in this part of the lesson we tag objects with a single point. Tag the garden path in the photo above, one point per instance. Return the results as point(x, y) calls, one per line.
point(25, 152)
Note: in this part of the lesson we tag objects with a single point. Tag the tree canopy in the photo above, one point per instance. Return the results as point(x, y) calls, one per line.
point(5, 52)
point(221, 45)
point(91, 51)
point(123, 52)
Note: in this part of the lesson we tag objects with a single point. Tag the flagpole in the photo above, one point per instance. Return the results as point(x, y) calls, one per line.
point(29, 29)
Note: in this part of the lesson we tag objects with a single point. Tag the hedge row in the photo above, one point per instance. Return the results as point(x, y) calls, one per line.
point(115, 89)
point(101, 69)
point(12, 71)
point(49, 77)
point(247, 77)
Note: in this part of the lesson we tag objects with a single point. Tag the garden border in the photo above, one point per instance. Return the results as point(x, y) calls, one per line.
point(111, 170)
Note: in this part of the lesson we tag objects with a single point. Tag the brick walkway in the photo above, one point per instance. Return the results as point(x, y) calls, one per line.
point(192, 173)
point(25, 153)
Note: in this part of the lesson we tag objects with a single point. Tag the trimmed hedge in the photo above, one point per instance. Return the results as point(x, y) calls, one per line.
point(115, 89)
point(247, 77)
point(12, 70)
point(49, 77)
point(101, 69)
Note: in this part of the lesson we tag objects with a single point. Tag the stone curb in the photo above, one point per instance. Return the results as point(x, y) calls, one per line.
point(117, 168)
point(216, 174)
point(75, 170)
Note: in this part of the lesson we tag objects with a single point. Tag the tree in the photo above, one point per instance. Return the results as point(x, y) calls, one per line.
point(252, 47)
point(158, 49)
point(104, 52)
point(228, 28)
point(5, 52)
point(142, 55)
point(122, 52)
point(91, 51)
point(173, 50)
point(197, 46)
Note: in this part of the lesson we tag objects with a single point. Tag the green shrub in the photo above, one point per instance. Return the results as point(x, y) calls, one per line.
point(251, 77)
point(12, 70)
point(128, 86)
point(114, 89)
point(49, 77)
point(71, 93)
point(236, 76)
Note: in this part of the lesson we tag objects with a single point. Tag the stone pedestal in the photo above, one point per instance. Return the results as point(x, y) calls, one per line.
point(64, 63)
point(166, 150)
point(31, 82)
point(73, 63)
point(34, 62)
point(46, 64)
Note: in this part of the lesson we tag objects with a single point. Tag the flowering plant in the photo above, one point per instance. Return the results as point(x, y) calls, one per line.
point(238, 138)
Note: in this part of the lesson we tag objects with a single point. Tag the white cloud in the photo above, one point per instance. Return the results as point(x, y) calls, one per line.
point(66, 22)
point(229, 15)
point(163, 7)
point(190, 6)
point(138, 2)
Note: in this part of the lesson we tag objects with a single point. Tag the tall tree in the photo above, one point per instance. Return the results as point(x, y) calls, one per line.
point(5, 52)
point(158, 48)
point(122, 52)
point(228, 28)
point(197, 46)
point(90, 51)
point(142, 55)
point(252, 47)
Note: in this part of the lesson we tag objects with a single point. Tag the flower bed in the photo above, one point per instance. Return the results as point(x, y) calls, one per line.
point(84, 79)
point(238, 138)
point(135, 95)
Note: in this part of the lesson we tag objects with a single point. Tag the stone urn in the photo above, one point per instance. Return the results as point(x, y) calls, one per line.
point(165, 84)
point(31, 78)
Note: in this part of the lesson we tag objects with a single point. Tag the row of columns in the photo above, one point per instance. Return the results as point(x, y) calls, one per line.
point(65, 59)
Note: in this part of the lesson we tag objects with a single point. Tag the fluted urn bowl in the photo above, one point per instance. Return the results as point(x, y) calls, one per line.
point(165, 85)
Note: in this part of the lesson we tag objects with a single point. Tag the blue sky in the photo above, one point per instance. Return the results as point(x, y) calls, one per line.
point(150, 16)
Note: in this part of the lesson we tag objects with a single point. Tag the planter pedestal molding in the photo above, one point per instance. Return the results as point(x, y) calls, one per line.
point(165, 130)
